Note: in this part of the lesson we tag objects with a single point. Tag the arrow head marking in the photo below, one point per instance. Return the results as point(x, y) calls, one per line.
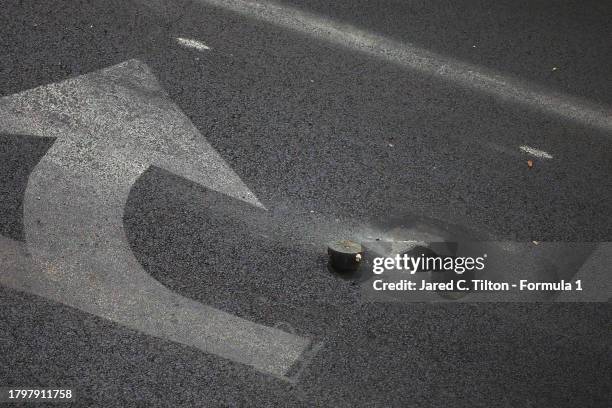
point(110, 126)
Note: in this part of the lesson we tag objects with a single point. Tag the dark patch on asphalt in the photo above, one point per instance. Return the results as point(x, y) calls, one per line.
point(19, 155)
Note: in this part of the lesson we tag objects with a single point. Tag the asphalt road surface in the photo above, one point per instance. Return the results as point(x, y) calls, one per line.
point(171, 171)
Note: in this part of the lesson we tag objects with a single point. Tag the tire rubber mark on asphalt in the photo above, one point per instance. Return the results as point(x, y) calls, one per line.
point(110, 126)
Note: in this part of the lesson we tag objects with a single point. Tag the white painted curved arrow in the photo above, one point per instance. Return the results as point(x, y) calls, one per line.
point(110, 126)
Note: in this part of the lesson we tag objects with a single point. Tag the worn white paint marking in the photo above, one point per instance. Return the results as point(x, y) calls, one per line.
point(419, 59)
point(189, 43)
point(110, 126)
point(535, 152)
